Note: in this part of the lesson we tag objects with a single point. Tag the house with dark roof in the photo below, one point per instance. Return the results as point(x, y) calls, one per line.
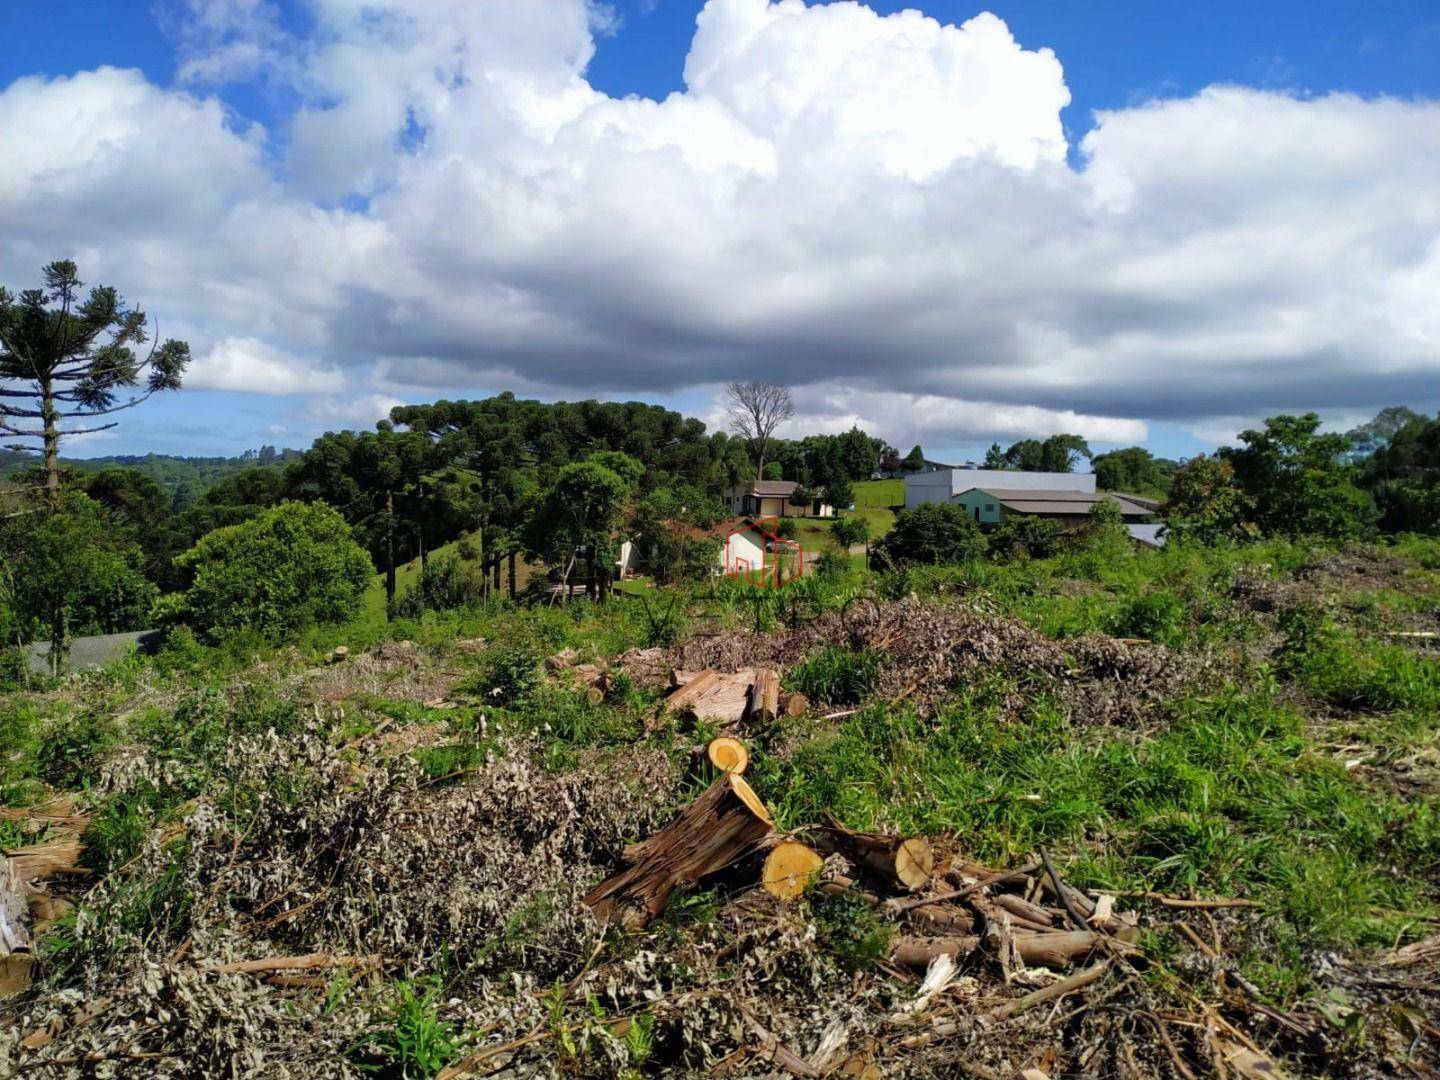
point(773, 498)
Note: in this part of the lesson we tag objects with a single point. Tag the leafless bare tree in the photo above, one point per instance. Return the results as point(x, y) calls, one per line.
point(756, 409)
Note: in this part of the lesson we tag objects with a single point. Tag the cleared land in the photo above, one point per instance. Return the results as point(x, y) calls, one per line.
point(252, 861)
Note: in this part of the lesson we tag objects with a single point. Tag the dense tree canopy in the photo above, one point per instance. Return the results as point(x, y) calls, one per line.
point(1133, 469)
point(1058, 453)
point(1403, 474)
point(66, 571)
point(1298, 480)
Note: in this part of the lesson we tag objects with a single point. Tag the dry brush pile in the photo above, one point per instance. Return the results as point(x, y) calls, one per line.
point(928, 649)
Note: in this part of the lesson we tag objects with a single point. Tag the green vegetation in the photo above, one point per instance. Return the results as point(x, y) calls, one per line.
point(879, 494)
point(1232, 790)
point(931, 533)
point(290, 567)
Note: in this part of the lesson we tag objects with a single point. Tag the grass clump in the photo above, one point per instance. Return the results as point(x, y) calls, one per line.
point(851, 932)
point(836, 675)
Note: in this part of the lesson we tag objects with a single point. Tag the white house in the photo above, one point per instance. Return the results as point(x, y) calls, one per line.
point(944, 484)
point(742, 550)
point(772, 498)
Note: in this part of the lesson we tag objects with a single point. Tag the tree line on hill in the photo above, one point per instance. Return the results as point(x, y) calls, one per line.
point(293, 538)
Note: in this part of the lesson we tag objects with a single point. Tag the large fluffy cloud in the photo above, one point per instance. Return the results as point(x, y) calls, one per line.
point(876, 209)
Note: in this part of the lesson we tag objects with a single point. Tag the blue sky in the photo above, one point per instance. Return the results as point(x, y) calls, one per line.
point(1115, 56)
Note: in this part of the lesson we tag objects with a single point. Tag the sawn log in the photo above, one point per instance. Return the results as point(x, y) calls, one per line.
point(727, 821)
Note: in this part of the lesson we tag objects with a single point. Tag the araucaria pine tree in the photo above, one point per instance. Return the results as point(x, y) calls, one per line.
point(64, 361)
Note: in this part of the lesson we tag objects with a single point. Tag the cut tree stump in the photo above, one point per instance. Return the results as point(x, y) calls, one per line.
point(728, 754)
point(907, 861)
point(724, 823)
point(789, 869)
point(794, 704)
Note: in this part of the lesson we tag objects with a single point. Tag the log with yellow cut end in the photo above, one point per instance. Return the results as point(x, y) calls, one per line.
point(728, 754)
point(789, 869)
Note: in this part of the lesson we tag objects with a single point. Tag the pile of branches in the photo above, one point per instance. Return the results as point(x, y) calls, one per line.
point(932, 648)
point(986, 971)
point(218, 950)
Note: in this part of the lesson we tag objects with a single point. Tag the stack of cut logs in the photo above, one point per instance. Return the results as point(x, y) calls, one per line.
point(1024, 918)
point(731, 700)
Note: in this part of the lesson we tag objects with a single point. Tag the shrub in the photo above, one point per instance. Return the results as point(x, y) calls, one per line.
point(68, 572)
point(1026, 536)
point(509, 675)
point(443, 584)
point(932, 533)
point(831, 563)
point(849, 531)
point(1158, 616)
point(291, 566)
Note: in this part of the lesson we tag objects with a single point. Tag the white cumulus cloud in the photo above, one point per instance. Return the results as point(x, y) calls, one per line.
point(249, 365)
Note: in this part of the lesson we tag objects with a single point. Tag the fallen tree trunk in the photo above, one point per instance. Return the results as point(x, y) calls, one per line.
point(943, 919)
point(712, 695)
point(691, 689)
point(724, 823)
point(1033, 913)
point(907, 861)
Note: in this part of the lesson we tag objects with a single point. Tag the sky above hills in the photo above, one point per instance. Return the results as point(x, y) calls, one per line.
point(951, 224)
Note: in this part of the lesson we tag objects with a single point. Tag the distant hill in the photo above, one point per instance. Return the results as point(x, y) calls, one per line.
point(184, 479)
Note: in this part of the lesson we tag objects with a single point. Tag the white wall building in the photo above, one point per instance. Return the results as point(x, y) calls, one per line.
point(944, 484)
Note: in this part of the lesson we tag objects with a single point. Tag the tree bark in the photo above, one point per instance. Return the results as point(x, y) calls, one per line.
point(1044, 950)
point(724, 823)
point(389, 552)
point(483, 533)
point(512, 575)
point(764, 696)
point(52, 443)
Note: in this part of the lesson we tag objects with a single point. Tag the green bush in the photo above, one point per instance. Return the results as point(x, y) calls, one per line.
point(931, 533)
point(444, 583)
point(1159, 615)
point(1026, 536)
point(291, 566)
point(849, 531)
